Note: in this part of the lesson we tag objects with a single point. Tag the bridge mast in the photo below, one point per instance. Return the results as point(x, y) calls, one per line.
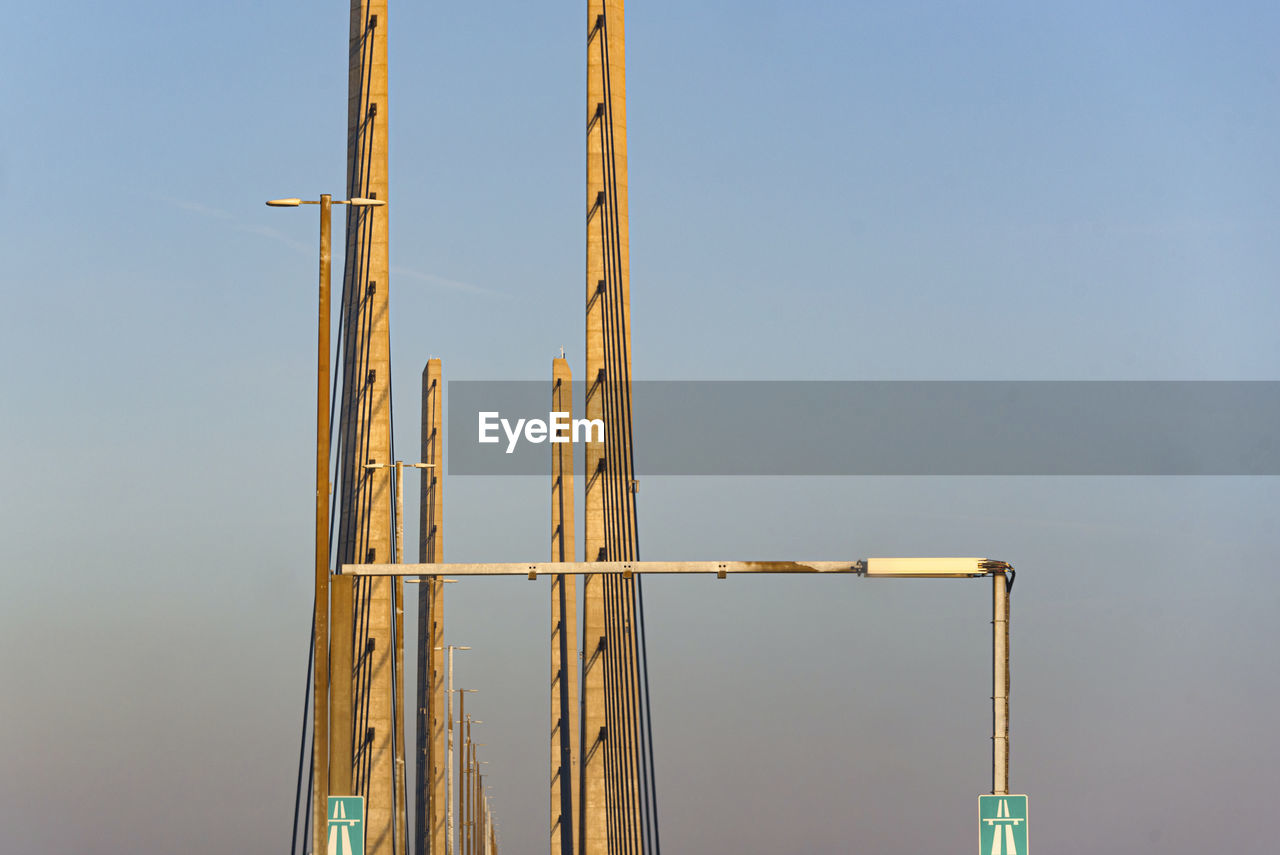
point(365, 498)
point(611, 780)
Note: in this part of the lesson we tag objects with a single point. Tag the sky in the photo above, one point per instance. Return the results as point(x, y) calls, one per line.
point(818, 190)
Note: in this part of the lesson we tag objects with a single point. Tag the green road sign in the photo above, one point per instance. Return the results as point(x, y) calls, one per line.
point(1002, 825)
point(346, 825)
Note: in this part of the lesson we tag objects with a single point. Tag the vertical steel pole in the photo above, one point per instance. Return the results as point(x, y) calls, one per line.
point(401, 819)
point(448, 840)
point(473, 809)
point(399, 464)
point(320, 721)
point(1000, 684)
point(462, 774)
point(342, 668)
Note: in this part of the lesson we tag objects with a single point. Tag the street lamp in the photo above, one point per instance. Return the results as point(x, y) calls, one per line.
point(397, 595)
point(400, 466)
point(448, 765)
point(326, 779)
point(463, 736)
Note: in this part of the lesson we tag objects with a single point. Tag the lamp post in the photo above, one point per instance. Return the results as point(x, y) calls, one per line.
point(397, 605)
point(321, 749)
point(473, 789)
point(448, 840)
point(482, 806)
point(463, 735)
point(476, 787)
point(400, 466)
point(1001, 585)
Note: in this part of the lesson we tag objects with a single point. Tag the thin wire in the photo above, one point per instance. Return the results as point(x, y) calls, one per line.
point(642, 708)
point(302, 748)
point(648, 715)
point(306, 822)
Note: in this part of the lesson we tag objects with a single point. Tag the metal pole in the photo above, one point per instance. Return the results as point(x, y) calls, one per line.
point(488, 827)
point(473, 808)
point(480, 809)
point(401, 820)
point(342, 667)
point(448, 840)
point(399, 511)
point(1000, 684)
point(320, 721)
point(462, 771)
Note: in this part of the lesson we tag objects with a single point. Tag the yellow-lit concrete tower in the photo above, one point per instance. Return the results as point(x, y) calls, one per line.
point(610, 783)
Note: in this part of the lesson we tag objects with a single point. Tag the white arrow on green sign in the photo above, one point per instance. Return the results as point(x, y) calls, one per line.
point(346, 825)
point(1002, 825)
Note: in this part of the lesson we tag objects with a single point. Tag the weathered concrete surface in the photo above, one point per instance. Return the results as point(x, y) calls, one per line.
point(610, 799)
point(365, 529)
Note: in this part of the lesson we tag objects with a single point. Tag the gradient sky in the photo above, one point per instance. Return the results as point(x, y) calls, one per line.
point(819, 190)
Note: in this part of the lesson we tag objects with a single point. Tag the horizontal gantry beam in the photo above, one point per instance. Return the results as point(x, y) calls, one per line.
point(918, 568)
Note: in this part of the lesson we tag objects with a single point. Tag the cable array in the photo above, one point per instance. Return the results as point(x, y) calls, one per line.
point(631, 804)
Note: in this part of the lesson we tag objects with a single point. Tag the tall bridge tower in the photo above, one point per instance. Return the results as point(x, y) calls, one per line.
point(615, 793)
point(364, 498)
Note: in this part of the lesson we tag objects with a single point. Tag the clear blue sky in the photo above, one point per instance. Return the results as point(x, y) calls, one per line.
point(818, 190)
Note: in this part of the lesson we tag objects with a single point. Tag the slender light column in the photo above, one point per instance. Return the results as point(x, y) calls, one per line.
point(488, 829)
point(1000, 683)
point(430, 796)
point(341, 667)
point(365, 495)
point(449, 845)
point(564, 630)
point(401, 827)
point(474, 808)
point(464, 740)
point(320, 638)
point(478, 844)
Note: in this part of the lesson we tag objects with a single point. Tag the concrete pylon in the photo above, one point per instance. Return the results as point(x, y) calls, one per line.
point(564, 630)
point(610, 820)
point(430, 796)
point(366, 500)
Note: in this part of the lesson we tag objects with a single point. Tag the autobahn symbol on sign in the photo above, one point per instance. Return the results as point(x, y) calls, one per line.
point(346, 825)
point(1003, 825)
